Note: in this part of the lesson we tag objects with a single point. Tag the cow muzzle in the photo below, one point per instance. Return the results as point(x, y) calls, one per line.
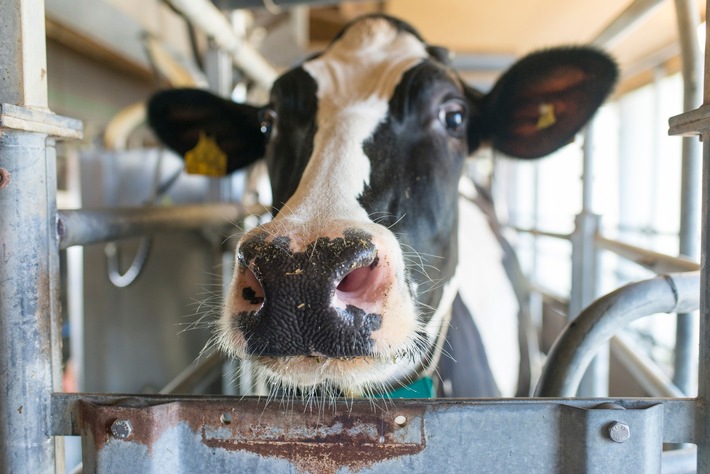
point(334, 296)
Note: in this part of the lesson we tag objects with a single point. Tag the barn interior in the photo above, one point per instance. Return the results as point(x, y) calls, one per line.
point(620, 204)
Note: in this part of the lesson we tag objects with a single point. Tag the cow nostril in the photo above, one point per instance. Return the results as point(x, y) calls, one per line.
point(251, 290)
point(355, 281)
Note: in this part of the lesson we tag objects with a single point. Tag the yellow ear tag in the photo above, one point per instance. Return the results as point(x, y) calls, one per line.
point(547, 116)
point(206, 158)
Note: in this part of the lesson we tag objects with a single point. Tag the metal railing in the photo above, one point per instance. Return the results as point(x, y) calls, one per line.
point(155, 433)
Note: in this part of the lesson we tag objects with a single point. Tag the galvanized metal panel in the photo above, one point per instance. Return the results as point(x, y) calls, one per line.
point(251, 435)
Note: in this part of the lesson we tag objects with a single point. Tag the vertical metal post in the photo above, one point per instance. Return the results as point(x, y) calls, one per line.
point(704, 359)
point(688, 20)
point(26, 289)
point(585, 270)
point(30, 358)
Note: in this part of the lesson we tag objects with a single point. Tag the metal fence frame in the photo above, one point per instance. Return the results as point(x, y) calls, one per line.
point(181, 434)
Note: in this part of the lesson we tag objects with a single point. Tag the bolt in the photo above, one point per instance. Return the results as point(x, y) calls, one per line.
point(121, 429)
point(226, 418)
point(4, 178)
point(400, 420)
point(619, 432)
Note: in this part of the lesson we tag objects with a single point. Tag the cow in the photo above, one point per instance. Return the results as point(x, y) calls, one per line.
point(355, 287)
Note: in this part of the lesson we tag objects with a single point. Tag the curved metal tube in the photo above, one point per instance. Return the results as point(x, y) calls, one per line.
point(579, 342)
point(122, 280)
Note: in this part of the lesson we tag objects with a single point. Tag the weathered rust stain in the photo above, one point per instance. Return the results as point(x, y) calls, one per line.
point(5, 177)
point(322, 443)
point(318, 442)
point(149, 422)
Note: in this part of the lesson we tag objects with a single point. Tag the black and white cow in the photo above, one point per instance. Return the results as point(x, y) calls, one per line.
point(350, 288)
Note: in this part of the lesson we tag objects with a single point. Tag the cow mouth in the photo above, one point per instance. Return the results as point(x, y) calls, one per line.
point(354, 376)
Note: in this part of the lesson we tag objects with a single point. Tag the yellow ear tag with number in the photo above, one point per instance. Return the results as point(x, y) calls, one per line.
point(547, 116)
point(206, 158)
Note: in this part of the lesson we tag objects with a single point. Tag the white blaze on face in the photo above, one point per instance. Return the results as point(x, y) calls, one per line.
point(356, 77)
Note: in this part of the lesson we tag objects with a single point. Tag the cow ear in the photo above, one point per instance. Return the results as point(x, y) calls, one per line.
point(543, 100)
point(182, 118)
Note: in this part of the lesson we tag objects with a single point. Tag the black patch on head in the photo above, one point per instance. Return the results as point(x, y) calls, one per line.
point(415, 169)
point(297, 317)
point(294, 100)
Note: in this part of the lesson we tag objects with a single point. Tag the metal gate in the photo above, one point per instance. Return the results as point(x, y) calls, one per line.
point(163, 433)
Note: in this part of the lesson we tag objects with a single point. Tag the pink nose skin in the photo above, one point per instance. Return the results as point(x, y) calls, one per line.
point(252, 293)
point(362, 287)
point(326, 299)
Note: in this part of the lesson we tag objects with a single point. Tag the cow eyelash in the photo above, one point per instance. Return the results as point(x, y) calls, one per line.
point(267, 117)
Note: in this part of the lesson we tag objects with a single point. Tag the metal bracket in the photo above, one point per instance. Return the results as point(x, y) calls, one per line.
point(690, 124)
point(14, 117)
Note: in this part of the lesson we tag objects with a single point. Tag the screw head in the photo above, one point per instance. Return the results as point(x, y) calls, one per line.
point(619, 432)
point(400, 420)
point(121, 429)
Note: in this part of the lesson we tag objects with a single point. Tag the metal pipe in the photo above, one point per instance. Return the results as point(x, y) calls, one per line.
point(691, 124)
point(645, 371)
point(585, 268)
point(624, 23)
point(30, 326)
point(83, 227)
point(654, 261)
point(29, 366)
point(207, 17)
point(539, 233)
point(270, 4)
point(577, 345)
point(679, 461)
point(584, 273)
point(189, 377)
point(704, 359)
point(688, 20)
point(23, 81)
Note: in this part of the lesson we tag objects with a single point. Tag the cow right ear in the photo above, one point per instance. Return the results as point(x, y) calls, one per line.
point(541, 102)
point(184, 118)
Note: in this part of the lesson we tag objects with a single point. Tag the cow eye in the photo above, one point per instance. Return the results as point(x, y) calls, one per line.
point(266, 121)
point(452, 116)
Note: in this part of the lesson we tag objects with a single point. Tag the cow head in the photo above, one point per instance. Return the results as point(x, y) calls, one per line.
point(349, 285)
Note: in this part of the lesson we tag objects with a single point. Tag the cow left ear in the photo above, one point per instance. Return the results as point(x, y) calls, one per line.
point(544, 99)
point(215, 136)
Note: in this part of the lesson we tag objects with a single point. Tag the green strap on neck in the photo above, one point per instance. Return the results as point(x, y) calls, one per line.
point(422, 388)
